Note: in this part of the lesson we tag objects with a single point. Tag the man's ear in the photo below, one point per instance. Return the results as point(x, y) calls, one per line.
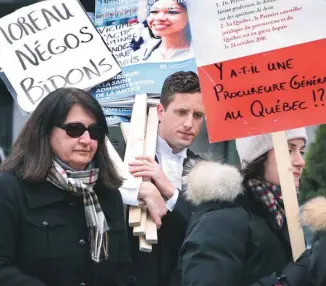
point(160, 111)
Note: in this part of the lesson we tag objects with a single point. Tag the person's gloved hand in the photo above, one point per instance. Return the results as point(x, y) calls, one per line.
point(298, 274)
point(294, 274)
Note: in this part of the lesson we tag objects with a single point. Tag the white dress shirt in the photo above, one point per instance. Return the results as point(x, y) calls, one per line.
point(172, 166)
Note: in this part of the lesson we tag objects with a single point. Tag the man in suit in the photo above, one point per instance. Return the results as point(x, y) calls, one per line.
point(181, 113)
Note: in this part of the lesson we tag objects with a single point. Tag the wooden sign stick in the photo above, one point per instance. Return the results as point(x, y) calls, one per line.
point(150, 150)
point(140, 230)
point(148, 224)
point(125, 126)
point(289, 193)
point(135, 145)
point(117, 161)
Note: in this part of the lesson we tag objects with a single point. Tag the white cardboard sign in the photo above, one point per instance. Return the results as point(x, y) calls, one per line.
point(52, 44)
point(230, 29)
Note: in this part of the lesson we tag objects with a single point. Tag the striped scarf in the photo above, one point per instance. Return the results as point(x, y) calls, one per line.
point(270, 196)
point(82, 183)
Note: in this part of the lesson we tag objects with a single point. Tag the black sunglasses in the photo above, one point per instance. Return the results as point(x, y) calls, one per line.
point(77, 129)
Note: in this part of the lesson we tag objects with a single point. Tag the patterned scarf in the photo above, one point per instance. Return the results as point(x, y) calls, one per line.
point(82, 183)
point(270, 196)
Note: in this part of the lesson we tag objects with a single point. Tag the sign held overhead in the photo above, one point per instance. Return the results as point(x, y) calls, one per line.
point(52, 44)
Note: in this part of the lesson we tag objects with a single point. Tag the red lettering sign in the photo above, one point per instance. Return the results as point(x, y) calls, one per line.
point(266, 92)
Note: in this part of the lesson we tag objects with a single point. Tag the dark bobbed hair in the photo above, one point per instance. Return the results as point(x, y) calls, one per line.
point(182, 3)
point(255, 169)
point(31, 155)
point(179, 82)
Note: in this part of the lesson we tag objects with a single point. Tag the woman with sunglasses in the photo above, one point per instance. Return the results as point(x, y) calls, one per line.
point(61, 214)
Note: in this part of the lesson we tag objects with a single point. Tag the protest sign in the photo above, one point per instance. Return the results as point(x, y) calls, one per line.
point(52, 44)
point(263, 70)
point(131, 30)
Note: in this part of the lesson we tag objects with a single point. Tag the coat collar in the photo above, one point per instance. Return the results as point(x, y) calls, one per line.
point(212, 181)
point(190, 156)
point(313, 214)
point(164, 148)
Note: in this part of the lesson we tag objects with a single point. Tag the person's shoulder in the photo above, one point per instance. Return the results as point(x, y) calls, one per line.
point(219, 226)
point(209, 181)
point(231, 215)
point(10, 186)
point(110, 193)
point(111, 203)
point(116, 194)
point(216, 192)
point(7, 178)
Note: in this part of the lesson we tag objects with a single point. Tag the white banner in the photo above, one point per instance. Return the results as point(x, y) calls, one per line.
point(52, 44)
point(229, 29)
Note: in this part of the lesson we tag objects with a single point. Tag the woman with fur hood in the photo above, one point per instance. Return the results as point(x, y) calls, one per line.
point(238, 236)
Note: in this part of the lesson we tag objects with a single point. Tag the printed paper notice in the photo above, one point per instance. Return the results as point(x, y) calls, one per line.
point(261, 64)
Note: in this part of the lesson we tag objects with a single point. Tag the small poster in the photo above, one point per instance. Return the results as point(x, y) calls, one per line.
point(150, 40)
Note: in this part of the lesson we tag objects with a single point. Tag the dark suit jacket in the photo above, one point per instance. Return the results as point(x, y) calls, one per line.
point(158, 268)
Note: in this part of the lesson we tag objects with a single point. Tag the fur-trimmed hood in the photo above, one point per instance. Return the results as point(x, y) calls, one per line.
point(313, 214)
point(213, 181)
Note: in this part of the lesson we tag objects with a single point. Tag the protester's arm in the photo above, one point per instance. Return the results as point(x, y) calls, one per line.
point(214, 250)
point(9, 237)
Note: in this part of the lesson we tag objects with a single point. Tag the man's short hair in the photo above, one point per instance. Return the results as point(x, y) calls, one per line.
point(179, 82)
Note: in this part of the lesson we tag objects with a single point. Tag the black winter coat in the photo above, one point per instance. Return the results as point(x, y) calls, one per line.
point(158, 268)
point(44, 238)
point(314, 217)
point(229, 241)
